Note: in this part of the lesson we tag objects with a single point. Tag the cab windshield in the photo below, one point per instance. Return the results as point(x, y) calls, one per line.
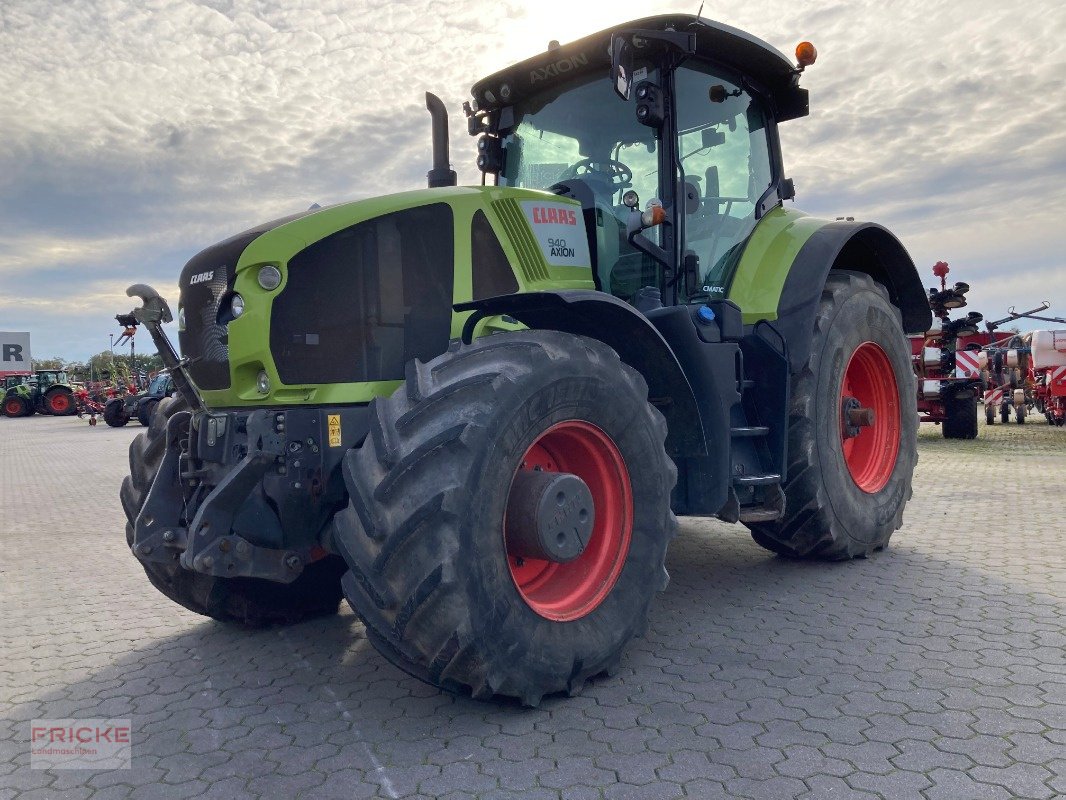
point(158, 384)
point(581, 130)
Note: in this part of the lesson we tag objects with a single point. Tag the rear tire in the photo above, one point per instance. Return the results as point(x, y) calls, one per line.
point(960, 415)
point(248, 601)
point(432, 575)
point(827, 514)
point(115, 413)
point(144, 411)
point(60, 402)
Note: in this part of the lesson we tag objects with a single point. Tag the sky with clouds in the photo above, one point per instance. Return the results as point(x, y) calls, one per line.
point(133, 134)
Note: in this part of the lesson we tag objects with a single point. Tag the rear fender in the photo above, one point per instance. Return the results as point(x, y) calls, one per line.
point(860, 247)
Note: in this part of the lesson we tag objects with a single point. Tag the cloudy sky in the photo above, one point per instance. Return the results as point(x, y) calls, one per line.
point(133, 134)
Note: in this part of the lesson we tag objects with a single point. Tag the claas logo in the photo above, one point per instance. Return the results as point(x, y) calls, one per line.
point(550, 215)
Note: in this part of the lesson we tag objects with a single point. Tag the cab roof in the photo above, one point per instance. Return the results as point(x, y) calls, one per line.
point(715, 42)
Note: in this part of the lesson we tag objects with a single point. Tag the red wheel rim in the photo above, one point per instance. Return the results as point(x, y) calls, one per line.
point(569, 591)
point(13, 407)
point(871, 455)
point(60, 403)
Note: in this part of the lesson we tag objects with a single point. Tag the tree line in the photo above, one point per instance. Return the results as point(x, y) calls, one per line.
point(105, 366)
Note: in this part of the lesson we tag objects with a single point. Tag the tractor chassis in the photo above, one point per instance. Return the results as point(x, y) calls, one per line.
point(247, 494)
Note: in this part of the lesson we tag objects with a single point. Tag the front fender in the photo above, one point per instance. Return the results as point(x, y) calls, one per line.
point(601, 316)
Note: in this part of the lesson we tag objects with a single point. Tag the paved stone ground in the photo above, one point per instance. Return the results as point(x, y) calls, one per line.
point(935, 670)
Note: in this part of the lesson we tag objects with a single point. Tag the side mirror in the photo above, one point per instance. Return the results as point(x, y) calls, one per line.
point(621, 66)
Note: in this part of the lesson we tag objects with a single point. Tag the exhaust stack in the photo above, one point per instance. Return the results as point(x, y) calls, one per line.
point(442, 173)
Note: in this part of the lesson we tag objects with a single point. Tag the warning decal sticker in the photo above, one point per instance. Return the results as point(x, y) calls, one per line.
point(967, 364)
point(559, 229)
point(334, 430)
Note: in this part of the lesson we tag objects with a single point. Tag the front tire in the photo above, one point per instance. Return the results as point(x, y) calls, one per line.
point(115, 413)
point(433, 576)
point(145, 409)
point(15, 406)
point(249, 601)
point(845, 500)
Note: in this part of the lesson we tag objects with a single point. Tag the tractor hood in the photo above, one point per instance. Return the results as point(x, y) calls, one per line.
point(329, 305)
point(717, 42)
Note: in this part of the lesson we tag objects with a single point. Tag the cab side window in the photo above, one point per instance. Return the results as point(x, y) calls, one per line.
point(725, 156)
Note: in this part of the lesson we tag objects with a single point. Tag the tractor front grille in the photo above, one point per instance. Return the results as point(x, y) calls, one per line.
point(204, 341)
point(204, 280)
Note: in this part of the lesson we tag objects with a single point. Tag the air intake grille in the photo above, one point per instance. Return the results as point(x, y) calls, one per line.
point(529, 256)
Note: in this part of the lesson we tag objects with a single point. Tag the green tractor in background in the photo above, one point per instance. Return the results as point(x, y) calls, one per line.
point(47, 391)
point(475, 411)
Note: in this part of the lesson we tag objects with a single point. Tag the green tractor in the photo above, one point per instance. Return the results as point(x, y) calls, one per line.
point(47, 391)
point(475, 411)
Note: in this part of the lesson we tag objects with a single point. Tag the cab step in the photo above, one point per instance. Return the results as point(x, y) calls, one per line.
point(759, 514)
point(749, 430)
point(756, 480)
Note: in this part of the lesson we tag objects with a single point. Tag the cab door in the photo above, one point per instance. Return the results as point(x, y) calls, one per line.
point(727, 167)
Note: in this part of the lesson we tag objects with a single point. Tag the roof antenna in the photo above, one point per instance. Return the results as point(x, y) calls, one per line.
point(700, 12)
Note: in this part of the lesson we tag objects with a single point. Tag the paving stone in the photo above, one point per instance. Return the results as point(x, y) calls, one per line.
point(933, 670)
point(953, 785)
point(1022, 780)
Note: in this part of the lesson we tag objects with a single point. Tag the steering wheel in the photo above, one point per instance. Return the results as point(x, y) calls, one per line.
point(614, 172)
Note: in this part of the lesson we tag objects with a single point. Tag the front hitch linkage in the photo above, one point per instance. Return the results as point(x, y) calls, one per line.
point(153, 314)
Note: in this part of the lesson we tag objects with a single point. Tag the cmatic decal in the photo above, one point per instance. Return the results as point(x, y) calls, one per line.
point(559, 229)
point(967, 364)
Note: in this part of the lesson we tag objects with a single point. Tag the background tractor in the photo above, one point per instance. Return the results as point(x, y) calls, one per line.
point(46, 391)
point(120, 409)
point(476, 410)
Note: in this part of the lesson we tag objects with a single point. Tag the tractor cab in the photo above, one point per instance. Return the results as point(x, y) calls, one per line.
point(50, 377)
point(673, 112)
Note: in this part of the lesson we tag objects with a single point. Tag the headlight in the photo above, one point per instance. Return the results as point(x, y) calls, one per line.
point(262, 383)
point(269, 277)
point(231, 307)
point(181, 319)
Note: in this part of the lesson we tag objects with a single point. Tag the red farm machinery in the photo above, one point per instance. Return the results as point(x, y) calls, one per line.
point(1048, 366)
point(1025, 372)
point(947, 361)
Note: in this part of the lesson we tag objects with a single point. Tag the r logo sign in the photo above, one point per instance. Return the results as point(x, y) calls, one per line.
point(15, 352)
